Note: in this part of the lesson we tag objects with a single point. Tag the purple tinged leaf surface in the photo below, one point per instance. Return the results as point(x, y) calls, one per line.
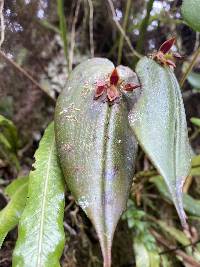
point(159, 123)
point(97, 149)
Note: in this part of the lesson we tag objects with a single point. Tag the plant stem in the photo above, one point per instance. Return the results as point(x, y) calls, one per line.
point(91, 27)
point(2, 23)
point(62, 25)
point(190, 67)
point(73, 33)
point(125, 22)
point(127, 39)
point(143, 27)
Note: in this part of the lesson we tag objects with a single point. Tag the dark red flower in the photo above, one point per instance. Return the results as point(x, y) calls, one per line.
point(112, 93)
point(111, 87)
point(164, 56)
point(114, 77)
point(101, 87)
point(167, 45)
point(129, 87)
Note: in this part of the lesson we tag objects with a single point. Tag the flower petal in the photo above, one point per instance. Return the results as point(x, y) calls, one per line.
point(130, 86)
point(101, 86)
point(170, 63)
point(114, 78)
point(112, 93)
point(177, 55)
point(167, 45)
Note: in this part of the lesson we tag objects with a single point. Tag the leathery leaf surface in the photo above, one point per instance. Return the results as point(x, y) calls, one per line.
point(158, 120)
point(190, 11)
point(96, 148)
point(41, 235)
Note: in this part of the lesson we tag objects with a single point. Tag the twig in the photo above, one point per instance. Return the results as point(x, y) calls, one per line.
point(25, 73)
point(121, 40)
point(2, 23)
point(179, 247)
point(122, 31)
point(73, 31)
point(172, 248)
point(190, 67)
point(69, 229)
point(91, 27)
point(197, 41)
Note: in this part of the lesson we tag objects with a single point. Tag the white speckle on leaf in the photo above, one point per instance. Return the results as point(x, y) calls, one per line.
point(83, 202)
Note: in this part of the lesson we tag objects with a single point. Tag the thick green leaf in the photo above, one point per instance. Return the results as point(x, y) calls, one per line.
point(194, 79)
point(96, 148)
point(191, 205)
point(41, 235)
point(159, 123)
point(10, 215)
point(191, 10)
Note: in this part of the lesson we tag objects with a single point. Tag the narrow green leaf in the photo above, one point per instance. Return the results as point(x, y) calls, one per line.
point(154, 259)
point(9, 131)
point(166, 261)
point(49, 26)
point(15, 185)
point(175, 233)
point(191, 205)
point(141, 254)
point(181, 238)
point(191, 10)
point(8, 141)
point(10, 215)
point(144, 257)
point(41, 235)
point(195, 171)
point(159, 123)
point(196, 161)
point(194, 79)
point(4, 141)
point(195, 121)
point(96, 148)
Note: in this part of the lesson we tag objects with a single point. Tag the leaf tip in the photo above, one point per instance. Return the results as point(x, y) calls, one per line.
point(178, 202)
point(107, 257)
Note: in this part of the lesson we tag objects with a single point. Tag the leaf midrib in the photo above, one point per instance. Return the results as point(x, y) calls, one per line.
point(105, 144)
point(43, 207)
